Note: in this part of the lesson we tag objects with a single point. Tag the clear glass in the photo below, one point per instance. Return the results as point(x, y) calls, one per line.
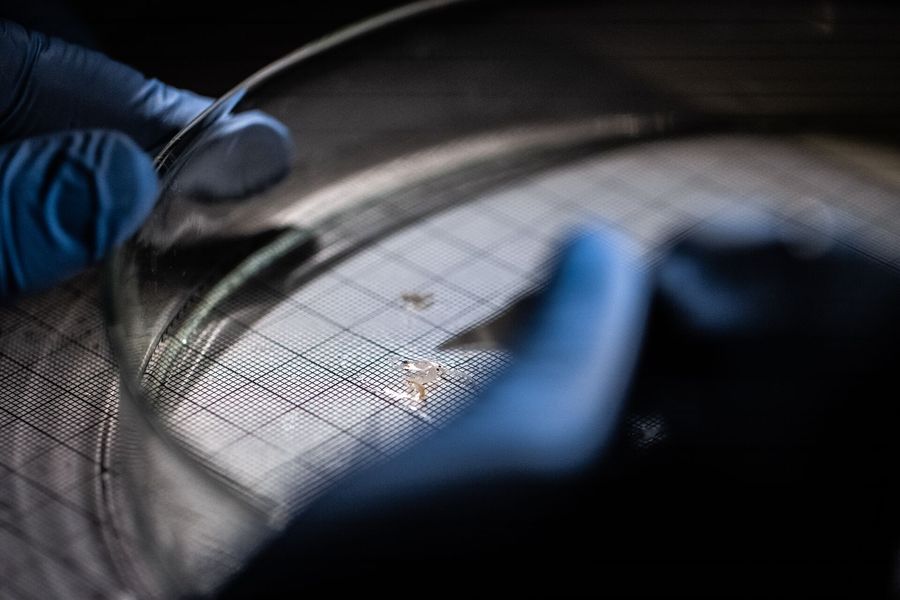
point(441, 149)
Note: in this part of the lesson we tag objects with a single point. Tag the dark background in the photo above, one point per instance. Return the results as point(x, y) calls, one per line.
point(196, 44)
point(210, 46)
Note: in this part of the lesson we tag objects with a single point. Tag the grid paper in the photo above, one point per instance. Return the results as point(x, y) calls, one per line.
point(246, 394)
point(300, 390)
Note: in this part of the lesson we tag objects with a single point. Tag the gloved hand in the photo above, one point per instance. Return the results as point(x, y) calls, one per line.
point(765, 364)
point(76, 178)
point(544, 421)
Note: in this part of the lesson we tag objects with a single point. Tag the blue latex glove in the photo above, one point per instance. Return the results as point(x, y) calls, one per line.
point(76, 178)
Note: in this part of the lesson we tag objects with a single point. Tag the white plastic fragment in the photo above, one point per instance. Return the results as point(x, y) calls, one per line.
point(418, 375)
point(422, 371)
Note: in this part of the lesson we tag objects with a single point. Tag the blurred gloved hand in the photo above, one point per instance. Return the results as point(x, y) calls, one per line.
point(546, 419)
point(761, 360)
point(76, 178)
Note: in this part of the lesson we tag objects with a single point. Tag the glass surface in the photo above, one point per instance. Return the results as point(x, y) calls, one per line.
point(443, 150)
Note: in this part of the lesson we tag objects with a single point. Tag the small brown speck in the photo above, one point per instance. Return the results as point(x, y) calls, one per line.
point(413, 301)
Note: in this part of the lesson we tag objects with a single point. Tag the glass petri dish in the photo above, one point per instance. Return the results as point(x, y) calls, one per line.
point(441, 151)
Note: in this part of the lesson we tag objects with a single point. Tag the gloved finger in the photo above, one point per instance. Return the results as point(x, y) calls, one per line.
point(65, 201)
point(240, 155)
point(756, 275)
point(556, 406)
point(48, 85)
point(562, 398)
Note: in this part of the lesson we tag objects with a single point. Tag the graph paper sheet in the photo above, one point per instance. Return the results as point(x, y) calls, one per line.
point(242, 400)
